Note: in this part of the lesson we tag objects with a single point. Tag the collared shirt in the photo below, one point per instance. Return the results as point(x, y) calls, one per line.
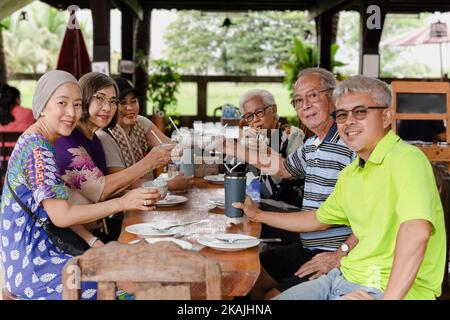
point(396, 184)
point(320, 162)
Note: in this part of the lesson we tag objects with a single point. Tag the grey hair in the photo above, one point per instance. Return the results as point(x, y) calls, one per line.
point(327, 79)
point(377, 89)
point(265, 96)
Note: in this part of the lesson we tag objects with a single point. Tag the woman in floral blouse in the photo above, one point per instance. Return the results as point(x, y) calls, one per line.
point(31, 261)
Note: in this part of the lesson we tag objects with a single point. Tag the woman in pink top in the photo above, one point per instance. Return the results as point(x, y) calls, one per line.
point(13, 117)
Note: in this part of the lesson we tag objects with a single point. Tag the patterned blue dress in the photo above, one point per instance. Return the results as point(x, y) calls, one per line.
point(31, 262)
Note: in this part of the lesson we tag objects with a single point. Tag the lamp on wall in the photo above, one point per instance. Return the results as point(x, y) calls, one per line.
point(227, 23)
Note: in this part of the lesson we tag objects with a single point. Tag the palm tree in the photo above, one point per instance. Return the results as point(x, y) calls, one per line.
point(36, 42)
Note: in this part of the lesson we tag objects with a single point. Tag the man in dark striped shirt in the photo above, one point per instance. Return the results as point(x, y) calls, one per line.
point(319, 161)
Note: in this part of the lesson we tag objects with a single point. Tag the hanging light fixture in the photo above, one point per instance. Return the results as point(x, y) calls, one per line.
point(23, 16)
point(438, 30)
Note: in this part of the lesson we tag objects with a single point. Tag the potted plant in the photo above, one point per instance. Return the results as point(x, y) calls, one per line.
point(163, 84)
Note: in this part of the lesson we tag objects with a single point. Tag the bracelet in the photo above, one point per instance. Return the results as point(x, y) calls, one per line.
point(92, 241)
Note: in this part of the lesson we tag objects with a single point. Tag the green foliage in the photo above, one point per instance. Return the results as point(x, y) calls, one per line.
point(33, 46)
point(200, 44)
point(304, 56)
point(163, 84)
point(292, 120)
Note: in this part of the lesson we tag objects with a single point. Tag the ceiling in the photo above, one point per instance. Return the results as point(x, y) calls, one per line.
point(399, 6)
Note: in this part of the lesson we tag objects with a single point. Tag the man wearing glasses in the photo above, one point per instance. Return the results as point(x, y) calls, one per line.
point(319, 161)
point(388, 196)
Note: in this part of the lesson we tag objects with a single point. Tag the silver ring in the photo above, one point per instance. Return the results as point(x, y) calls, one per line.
point(145, 202)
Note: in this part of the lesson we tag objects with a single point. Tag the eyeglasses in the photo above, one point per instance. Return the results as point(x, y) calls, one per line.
point(312, 96)
point(259, 113)
point(358, 112)
point(132, 102)
point(101, 100)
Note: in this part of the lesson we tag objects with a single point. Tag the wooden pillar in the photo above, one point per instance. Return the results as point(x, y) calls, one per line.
point(128, 38)
point(323, 27)
point(334, 26)
point(100, 10)
point(202, 93)
point(3, 71)
point(372, 13)
point(143, 56)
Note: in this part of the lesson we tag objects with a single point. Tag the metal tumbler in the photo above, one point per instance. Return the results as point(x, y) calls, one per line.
point(235, 184)
point(187, 162)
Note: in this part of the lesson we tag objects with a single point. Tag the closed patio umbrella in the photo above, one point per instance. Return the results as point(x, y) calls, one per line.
point(73, 56)
point(435, 33)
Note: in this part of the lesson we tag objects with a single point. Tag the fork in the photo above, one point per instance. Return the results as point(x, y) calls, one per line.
point(170, 226)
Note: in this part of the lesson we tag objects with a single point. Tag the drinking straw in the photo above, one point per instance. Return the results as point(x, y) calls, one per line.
point(178, 130)
point(235, 167)
point(157, 138)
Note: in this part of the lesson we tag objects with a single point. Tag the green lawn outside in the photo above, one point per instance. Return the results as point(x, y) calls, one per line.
point(26, 88)
point(219, 93)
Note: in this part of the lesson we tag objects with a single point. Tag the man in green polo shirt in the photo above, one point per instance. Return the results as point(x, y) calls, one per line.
point(388, 196)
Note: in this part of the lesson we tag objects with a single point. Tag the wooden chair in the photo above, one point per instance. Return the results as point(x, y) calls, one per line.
point(7, 142)
point(160, 271)
point(445, 198)
point(443, 183)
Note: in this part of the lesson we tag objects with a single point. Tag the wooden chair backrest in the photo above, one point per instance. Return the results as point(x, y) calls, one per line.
point(445, 197)
point(160, 271)
point(443, 183)
point(7, 141)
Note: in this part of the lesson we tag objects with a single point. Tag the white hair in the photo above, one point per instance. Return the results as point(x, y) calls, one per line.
point(327, 78)
point(377, 89)
point(266, 98)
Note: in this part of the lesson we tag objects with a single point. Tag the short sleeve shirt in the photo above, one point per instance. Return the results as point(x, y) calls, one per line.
point(395, 185)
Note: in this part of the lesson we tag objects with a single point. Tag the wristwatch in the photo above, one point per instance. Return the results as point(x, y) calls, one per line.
point(92, 241)
point(345, 248)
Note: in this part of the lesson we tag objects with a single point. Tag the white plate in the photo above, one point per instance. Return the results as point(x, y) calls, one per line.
point(218, 179)
point(171, 200)
point(144, 230)
point(209, 240)
point(183, 244)
point(217, 201)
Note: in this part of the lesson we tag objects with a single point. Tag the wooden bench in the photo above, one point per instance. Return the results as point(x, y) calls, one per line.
point(7, 142)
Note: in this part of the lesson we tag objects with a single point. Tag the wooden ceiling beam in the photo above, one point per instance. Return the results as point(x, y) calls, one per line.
point(322, 6)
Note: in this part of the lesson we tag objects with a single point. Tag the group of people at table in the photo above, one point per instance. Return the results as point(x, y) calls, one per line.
point(370, 224)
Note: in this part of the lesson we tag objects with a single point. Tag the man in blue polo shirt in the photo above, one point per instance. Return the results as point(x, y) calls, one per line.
point(319, 161)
